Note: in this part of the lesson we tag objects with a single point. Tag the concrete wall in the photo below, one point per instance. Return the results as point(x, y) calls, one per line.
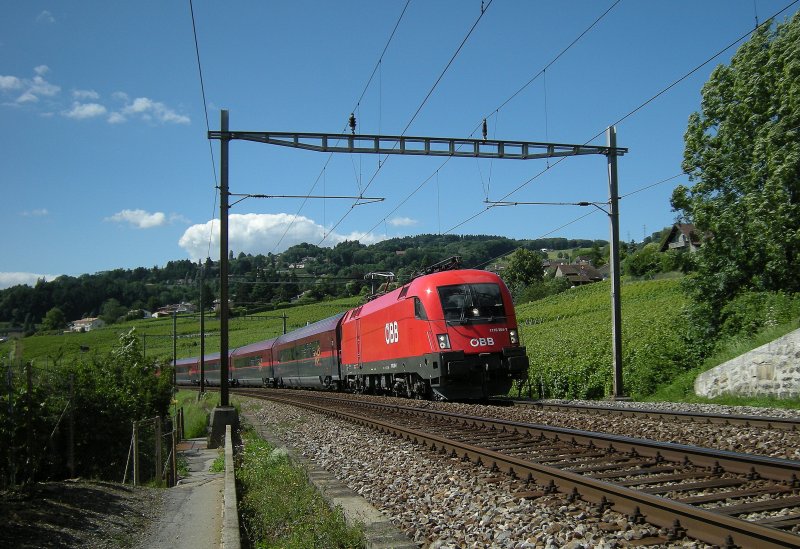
point(770, 370)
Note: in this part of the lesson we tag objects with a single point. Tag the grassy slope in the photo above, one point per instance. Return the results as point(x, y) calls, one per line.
point(681, 388)
point(46, 349)
point(568, 337)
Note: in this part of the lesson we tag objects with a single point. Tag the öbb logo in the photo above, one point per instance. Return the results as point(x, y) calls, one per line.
point(391, 332)
point(481, 342)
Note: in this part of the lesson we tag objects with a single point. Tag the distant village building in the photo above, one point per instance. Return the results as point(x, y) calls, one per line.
point(217, 305)
point(579, 274)
point(177, 308)
point(550, 265)
point(86, 324)
point(682, 236)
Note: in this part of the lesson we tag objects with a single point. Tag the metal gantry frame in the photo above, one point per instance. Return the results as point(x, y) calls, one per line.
point(418, 146)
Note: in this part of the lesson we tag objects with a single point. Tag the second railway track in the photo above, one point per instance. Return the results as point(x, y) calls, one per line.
point(721, 498)
point(744, 420)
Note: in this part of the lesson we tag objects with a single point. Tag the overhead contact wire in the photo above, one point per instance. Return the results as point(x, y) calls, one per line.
point(419, 109)
point(358, 103)
point(634, 111)
point(594, 211)
point(208, 127)
point(503, 104)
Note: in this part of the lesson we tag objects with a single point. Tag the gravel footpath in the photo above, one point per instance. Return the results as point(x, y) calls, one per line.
point(444, 503)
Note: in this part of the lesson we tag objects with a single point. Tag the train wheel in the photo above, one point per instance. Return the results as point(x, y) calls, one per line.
point(422, 390)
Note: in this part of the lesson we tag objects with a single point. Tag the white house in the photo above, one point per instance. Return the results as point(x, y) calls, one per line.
point(86, 324)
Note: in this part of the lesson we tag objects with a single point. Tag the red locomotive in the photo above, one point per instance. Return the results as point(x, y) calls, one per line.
point(449, 334)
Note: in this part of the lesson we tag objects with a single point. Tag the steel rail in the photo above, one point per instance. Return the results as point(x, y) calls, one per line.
point(678, 518)
point(766, 422)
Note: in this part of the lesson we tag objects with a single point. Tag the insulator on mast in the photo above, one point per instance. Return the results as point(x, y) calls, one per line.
point(485, 130)
point(352, 123)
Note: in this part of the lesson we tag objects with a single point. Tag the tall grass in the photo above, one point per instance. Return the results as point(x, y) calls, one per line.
point(195, 412)
point(280, 509)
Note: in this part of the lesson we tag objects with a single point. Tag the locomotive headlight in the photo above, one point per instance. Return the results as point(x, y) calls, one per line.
point(444, 341)
point(514, 337)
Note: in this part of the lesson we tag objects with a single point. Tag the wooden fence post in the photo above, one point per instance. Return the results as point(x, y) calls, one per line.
point(174, 457)
point(12, 469)
point(158, 448)
point(71, 434)
point(29, 459)
point(135, 454)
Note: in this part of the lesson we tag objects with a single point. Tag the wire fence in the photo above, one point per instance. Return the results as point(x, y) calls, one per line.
point(160, 465)
point(49, 430)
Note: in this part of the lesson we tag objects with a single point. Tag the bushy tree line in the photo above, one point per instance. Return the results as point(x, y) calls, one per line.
point(257, 282)
point(102, 394)
point(743, 157)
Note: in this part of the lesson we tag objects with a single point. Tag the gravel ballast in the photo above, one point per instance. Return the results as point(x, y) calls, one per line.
point(443, 502)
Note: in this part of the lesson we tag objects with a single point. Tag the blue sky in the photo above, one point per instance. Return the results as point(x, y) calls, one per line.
point(106, 163)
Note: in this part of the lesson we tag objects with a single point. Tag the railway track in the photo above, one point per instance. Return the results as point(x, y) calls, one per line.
point(718, 497)
point(766, 422)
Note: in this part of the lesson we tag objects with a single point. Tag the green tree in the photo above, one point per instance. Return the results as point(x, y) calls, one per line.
point(112, 311)
point(524, 268)
point(644, 262)
point(54, 319)
point(110, 392)
point(743, 157)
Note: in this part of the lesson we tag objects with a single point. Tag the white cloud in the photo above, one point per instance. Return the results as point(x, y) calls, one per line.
point(10, 83)
point(178, 218)
point(85, 94)
point(40, 212)
point(29, 91)
point(259, 234)
point(402, 222)
point(139, 218)
point(148, 109)
point(80, 111)
point(32, 89)
point(46, 17)
point(13, 279)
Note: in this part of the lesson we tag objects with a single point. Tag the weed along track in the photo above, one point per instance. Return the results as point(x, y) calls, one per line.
point(718, 497)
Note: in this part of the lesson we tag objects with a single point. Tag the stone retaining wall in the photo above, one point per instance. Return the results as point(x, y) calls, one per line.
point(770, 370)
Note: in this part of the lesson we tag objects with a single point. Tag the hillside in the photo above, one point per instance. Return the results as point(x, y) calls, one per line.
point(156, 334)
point(568, 337)
point(257, 283)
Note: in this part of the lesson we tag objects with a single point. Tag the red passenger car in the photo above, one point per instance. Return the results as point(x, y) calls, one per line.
point(252, 364)
point(309, 356)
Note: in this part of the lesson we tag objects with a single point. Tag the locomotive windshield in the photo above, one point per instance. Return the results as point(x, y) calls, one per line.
point(465, 303)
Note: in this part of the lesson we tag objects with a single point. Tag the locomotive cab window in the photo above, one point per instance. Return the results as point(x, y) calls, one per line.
point(475, 303)
point(419, 310)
